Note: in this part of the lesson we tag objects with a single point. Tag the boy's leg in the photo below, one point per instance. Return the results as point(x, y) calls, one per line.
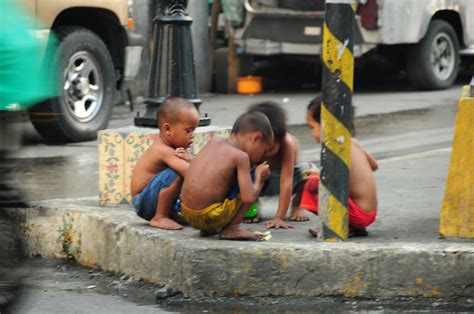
point(232, 231)
point(166, 198)
point(298, 214)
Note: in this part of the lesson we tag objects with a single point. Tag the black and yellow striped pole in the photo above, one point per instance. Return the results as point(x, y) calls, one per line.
point(336, 115)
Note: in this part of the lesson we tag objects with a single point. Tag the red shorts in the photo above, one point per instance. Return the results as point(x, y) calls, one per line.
point(358, 218)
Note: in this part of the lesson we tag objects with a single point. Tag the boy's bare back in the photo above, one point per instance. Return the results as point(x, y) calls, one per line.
point(212, 174)
point(362, 186)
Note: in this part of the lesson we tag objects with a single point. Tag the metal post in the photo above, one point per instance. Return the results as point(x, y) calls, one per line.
point(172, 63)
point(336, 115)
point(199, 10)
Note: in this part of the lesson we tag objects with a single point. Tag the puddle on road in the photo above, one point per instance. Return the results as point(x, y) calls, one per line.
point(53, 177)
point(68, 279)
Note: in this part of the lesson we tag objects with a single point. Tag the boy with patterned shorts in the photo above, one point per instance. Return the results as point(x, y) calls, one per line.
point(158, 175)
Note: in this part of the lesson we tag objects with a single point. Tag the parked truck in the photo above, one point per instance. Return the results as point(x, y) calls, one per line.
point(97, 54)
point(428, 36)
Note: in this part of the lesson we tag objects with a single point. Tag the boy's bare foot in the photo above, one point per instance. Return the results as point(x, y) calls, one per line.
point(298, 214)
point(253, 220)
point(235, 233)
point(165, 223)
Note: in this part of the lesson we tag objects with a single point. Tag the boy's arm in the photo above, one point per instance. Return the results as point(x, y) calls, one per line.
point(286, 183)
point(372, 162)
point(249, 190)
point(183, 154)
point(174, 162)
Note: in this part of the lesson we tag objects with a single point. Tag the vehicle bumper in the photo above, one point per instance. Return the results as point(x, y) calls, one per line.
point(133, 54)
point(133, 57)
point(273, 32)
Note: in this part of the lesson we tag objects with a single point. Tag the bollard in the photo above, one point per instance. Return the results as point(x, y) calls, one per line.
point(172, 70)
point(457, 210)
point(336, 115)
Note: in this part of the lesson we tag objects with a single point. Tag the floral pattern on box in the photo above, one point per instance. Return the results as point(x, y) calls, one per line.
point(111, 167)
point(199, 141)
point(120, 149)
point(224, 132)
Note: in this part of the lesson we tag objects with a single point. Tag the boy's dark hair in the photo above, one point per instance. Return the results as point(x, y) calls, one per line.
point(169, 111)
point(314, 108)
point(253, 122)
point(277, 116)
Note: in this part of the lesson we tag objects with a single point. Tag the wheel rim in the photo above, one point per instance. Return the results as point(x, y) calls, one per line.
point(442, 56)
point(83, 88)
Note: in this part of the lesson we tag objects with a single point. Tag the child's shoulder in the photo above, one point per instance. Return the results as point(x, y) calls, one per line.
point(355, 143)
point(290, 143)
point(159, 145)
point(229, 149)
point(291, 139)
point(157, 151)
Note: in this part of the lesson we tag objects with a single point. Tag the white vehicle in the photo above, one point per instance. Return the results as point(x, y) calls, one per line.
point(430, 35)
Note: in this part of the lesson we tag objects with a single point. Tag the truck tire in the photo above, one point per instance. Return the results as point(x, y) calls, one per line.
point(433, 63)
point(86, 93)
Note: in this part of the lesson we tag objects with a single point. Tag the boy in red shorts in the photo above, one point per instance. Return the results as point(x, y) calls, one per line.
point(362, 189)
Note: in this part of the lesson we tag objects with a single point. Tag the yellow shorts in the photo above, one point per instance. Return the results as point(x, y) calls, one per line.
point(214, 216)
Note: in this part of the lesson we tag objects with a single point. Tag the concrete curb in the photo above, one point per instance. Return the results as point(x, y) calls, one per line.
point(115, 240)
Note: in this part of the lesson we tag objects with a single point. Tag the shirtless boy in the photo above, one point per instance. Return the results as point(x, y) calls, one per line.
point(158, 175)
point(285, 175)
point(218, 188)
point(362, 188)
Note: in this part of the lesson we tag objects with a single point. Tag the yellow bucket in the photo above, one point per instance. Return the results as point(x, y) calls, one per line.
point(249, 84)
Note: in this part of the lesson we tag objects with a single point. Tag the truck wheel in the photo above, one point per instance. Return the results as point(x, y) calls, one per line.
point(86, 93)
point(433, 63)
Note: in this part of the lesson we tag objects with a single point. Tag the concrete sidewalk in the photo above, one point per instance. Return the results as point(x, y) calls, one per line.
point(402, 256)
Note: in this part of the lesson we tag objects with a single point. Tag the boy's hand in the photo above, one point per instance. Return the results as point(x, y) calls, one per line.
point(262, 171)
point(182, 153)
point(277, 223)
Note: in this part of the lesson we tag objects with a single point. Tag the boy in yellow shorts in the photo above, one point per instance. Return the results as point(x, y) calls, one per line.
point(218, 188)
